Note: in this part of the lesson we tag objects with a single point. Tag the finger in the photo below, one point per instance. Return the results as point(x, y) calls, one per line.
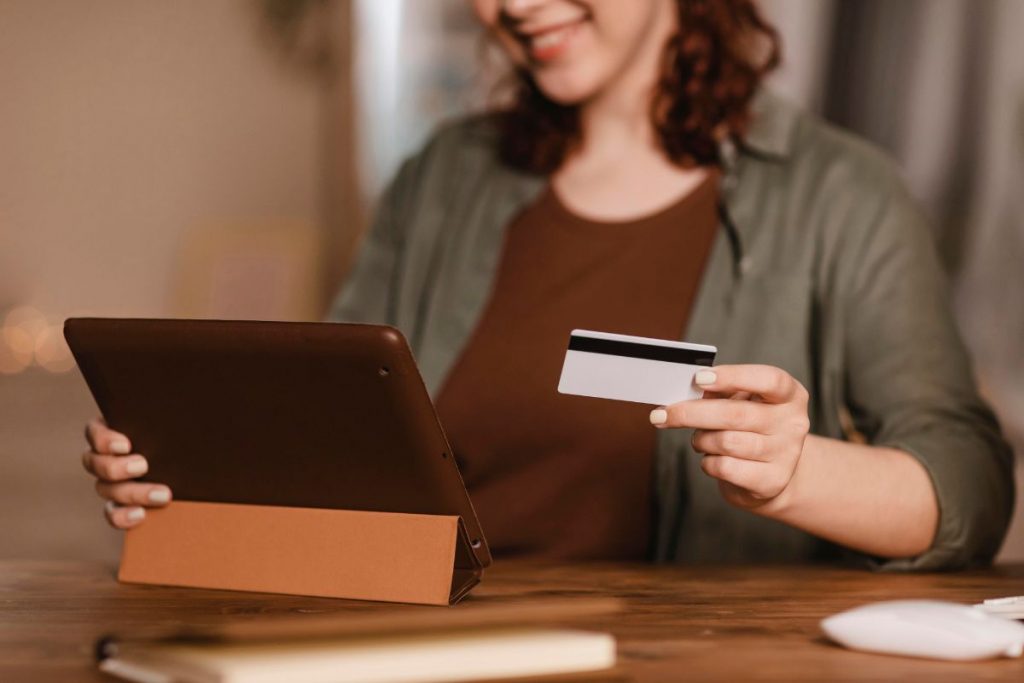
point(736, 471)
point(716, 413)
point(103, 439)
point(115, 467)
point(758, 479)
point(87, 462)
point(773, 384)
point(134, 493)
point(746, 445)
point(121, 517)
point(734, 395)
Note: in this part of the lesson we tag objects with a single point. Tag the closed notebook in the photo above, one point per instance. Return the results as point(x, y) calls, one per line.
point(478, 642)
point(452, 656)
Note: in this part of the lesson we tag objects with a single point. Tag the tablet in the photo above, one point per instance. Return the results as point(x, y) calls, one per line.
point(328, 415)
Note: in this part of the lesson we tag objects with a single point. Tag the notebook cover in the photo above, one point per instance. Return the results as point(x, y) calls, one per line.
point(369, 619)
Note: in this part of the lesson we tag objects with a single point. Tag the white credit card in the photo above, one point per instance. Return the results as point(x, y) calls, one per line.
point(637, 369)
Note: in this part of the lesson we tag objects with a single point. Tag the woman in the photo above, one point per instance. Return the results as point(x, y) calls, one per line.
point(641, 182)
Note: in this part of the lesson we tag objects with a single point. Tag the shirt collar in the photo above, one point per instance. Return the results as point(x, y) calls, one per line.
point(772, 127)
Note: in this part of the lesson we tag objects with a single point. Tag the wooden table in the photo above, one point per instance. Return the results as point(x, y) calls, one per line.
point(681, 623)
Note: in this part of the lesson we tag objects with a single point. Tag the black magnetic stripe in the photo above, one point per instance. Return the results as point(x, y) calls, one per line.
point(613, 347)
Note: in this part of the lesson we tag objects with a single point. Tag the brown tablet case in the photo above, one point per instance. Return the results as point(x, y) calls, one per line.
point(304, 458)
point(392, 557)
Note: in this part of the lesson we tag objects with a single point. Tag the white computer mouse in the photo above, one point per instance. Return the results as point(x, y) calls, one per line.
point(926, 628)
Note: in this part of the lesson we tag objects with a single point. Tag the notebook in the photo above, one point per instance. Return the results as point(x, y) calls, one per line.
point(483, 641)
point(407, 658)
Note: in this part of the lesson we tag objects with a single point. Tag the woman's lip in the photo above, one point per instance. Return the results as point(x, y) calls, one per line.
point(527, 32)
point(549, 43)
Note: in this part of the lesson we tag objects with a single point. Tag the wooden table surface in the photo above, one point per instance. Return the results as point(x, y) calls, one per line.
point(680, 623)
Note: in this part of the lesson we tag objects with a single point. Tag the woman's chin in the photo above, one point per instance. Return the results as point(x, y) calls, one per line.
point(566, 91)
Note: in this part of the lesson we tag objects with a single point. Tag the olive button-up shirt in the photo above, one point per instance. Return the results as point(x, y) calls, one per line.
point(822, 266)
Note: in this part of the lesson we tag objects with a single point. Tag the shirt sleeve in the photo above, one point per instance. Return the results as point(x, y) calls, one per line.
point(909, 385)
point(367, 295)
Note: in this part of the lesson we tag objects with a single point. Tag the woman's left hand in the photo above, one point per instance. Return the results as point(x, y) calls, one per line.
point(750, 425)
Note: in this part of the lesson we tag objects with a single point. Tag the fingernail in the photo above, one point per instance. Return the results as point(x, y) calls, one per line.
point(659, 416)
point(136, 466)
point(120, 447)
point(705, 377)
point(136, 514)
point(160, 496)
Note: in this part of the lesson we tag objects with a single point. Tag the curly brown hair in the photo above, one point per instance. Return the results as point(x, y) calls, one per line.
point(711, 70)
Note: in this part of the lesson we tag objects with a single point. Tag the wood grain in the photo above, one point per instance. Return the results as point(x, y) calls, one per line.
point(680, 623)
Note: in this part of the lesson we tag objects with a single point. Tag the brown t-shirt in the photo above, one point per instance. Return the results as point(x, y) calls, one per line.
point(562, 476)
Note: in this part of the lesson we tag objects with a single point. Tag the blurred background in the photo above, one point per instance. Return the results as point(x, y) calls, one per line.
point(220, 159)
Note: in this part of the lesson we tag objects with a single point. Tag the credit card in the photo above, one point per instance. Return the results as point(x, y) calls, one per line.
point(637, 369)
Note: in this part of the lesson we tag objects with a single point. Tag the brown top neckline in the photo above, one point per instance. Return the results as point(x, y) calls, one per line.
point(552, 204)
point(553, 475)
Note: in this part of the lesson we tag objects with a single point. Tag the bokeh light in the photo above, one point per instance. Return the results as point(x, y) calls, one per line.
point(29, 338)
point(51, 352)
point(12, 362)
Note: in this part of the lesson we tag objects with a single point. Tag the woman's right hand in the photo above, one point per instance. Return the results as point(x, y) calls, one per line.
point(111, 461)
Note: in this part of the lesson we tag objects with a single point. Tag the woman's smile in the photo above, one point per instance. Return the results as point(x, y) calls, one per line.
point(576, 49)
point(547, 44)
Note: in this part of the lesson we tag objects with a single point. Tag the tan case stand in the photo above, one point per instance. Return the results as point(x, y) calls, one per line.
point(388, 556)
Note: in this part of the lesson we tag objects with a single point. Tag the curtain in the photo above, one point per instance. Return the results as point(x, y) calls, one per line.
point(940, 85)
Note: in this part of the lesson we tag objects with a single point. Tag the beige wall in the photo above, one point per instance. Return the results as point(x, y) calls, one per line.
point(125, 123)
point(126, 126)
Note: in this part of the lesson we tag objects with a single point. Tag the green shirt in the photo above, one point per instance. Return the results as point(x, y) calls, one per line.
point(828, 272)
